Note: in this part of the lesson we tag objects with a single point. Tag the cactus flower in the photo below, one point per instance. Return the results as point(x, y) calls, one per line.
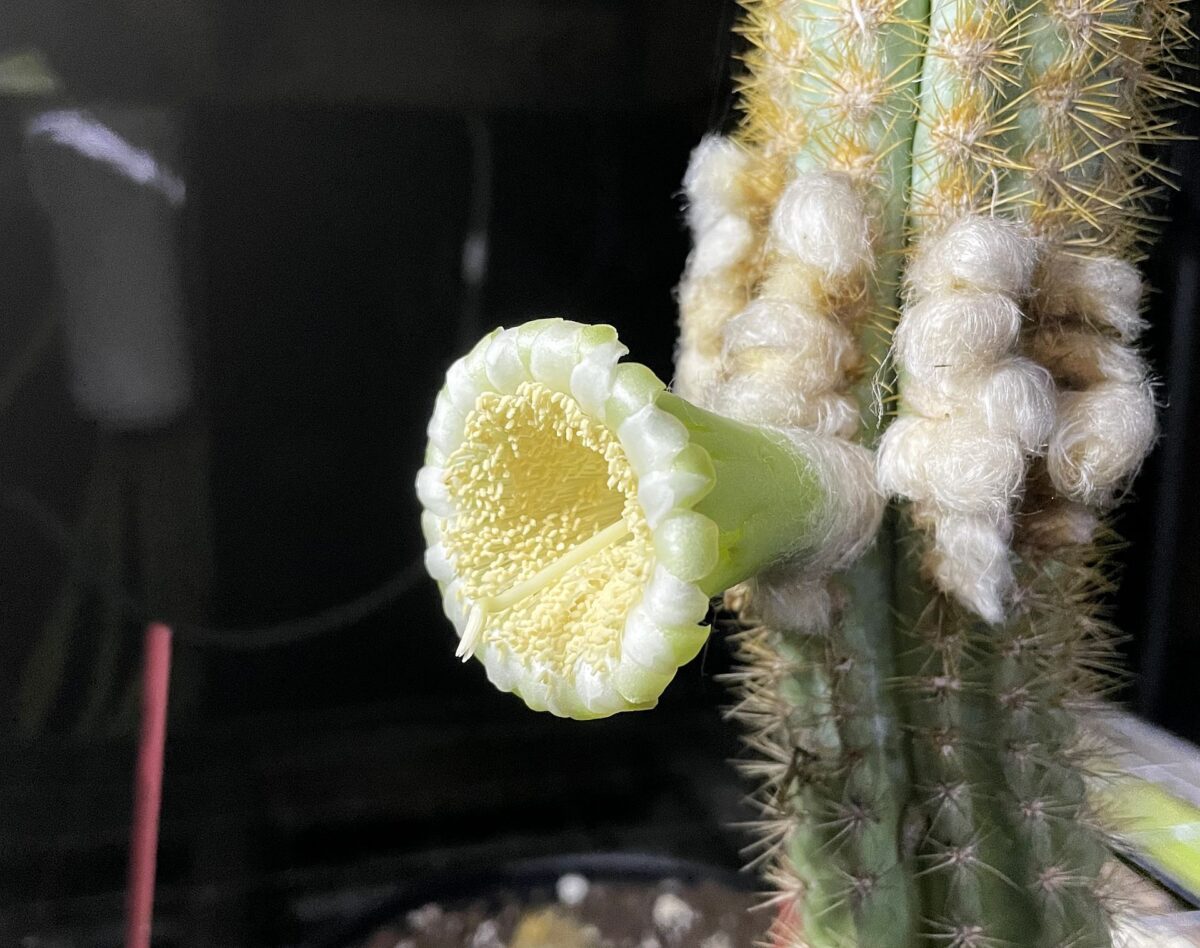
point(579, 517)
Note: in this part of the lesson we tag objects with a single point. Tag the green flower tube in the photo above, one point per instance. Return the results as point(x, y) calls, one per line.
point(578, 517)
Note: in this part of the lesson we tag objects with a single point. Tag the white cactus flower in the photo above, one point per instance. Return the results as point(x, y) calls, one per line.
point(577, 522)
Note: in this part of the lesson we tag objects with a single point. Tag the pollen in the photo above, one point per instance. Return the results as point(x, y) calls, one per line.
point(549, 540)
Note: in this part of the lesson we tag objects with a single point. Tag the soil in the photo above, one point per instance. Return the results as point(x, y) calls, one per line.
point(581, 913)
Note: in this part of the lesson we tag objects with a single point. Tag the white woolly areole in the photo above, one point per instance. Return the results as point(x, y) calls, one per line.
point(956, 332)
point(766, 389)
point(973, 412)
point(955, 465)
point(798, 331)
point(786, 362)
point(723, 246)
point(714, 180)
point(1105, 292)
point(693, 373)
point(1016, 398)
point(718, 272)
point(1080, 358)
point(1088, 309)
point(1103, 434)
point(847, 473)
point(821, 221)
point(971, 559)
point(977, 253)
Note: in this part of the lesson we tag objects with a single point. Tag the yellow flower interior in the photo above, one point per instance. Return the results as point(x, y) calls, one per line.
point(548, 538)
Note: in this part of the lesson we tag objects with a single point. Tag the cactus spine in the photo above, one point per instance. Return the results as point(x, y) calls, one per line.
point(923, 782)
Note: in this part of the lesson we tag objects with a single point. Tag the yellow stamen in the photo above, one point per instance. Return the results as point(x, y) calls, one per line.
point(549, 542)
point(535, 584)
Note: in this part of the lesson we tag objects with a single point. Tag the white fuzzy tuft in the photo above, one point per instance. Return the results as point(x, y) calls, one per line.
point(783, 364)
point(788, 360)
point(821, 221)
point(1103, 291)
point(956, 332)
point(970, 558)
point(726, 244)
point(693, 373)
point(847, 473)
point(1103, 434)
point(1080, 358)
point(984, 254)
point(953, 465)
point(1088, 315)
point(757, 395)
point(714, 182)
point(789, 326)
point(718, 276)
point(1017, 400)
point(973, 412)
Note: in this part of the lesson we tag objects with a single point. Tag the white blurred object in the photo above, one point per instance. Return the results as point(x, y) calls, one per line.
point(571, 889)
point(104, 178)
point(1179, 930)
point(672, 915)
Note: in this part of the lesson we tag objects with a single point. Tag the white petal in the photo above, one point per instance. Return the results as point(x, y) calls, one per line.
point(431, 490)
point(505, 369)
point(656, 495)
point(446, 425)
point(437, 565)
point(592, 378)
point(645, 644)
point(462, 389)
point(431, 528)
point(536, 690)
point(651, 439)
point(454, 606)
point(595, 689)
point(555, 353)
point(670, 601)
point(501, 667)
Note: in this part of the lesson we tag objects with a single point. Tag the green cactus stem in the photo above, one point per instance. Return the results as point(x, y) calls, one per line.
point(920, 767)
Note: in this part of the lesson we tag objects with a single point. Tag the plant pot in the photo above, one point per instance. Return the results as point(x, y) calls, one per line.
point(563, 902)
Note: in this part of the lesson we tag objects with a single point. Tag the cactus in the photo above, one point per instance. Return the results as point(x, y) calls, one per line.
point(914, 276)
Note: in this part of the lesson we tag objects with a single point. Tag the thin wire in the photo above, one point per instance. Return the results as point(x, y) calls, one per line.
point(251, 639)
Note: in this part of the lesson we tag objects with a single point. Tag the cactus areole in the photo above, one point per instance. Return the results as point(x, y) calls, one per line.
point(913, 278)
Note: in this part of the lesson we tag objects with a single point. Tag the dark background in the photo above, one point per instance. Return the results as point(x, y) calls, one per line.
point(336, 156)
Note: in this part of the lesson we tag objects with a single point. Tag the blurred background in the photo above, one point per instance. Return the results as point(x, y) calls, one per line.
point(303, 212)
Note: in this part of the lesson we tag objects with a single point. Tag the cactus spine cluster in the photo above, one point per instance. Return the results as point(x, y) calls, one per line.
point(912, 723)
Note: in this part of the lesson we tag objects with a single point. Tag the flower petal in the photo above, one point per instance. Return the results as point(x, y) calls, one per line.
point(505, 370)
point(431, 490)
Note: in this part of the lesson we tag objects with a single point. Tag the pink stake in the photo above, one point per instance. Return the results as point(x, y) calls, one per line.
point(147, 788)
